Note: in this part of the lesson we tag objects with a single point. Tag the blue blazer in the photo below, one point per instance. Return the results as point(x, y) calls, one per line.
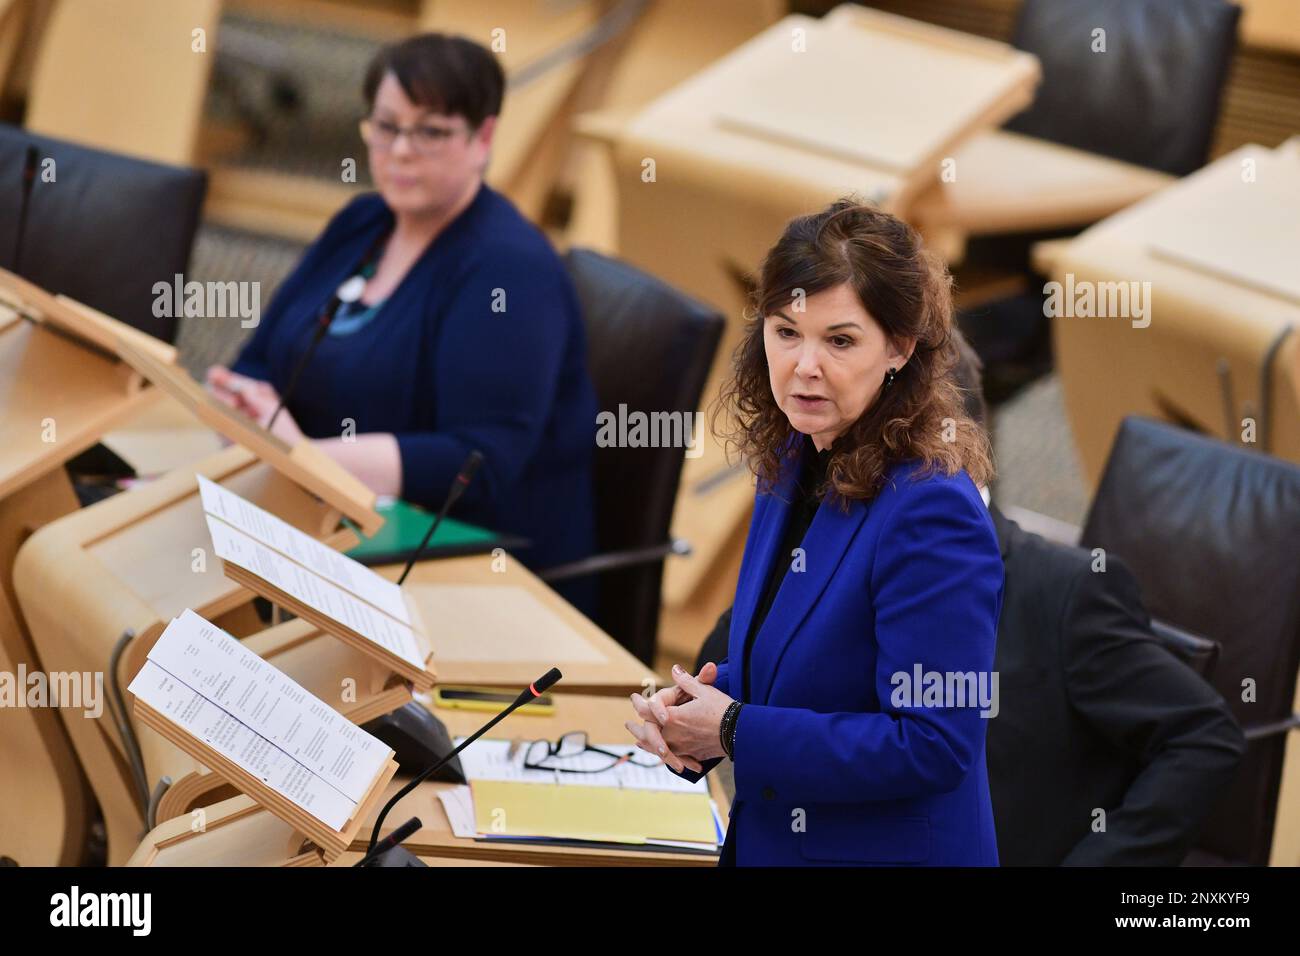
point(834, 763)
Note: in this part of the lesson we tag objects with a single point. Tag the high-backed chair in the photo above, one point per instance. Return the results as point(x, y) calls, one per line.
point(1211, 531)
point(101, 228)
point(1151, 97)
point(649, 351)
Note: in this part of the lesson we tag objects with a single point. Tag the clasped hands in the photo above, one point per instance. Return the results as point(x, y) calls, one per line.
point(680, 724)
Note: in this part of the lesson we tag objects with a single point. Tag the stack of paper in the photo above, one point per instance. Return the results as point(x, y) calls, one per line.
point(331, 590)
point(627, 804)
point(266, 734)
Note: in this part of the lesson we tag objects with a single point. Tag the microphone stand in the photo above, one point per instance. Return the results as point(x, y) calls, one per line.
point(536, 689)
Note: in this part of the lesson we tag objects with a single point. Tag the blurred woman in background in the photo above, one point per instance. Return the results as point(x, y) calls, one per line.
point(466, 332)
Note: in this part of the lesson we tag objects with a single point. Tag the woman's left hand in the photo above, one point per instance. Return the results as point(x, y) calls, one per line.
point(693, 728)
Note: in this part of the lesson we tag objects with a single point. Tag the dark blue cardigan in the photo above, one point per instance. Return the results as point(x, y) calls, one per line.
point(446, 369)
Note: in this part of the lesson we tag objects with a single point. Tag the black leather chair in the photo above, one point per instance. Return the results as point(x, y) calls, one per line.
point(105, 230)
point(1199, 653)
point(1211, 533)
point(649, 348)
point(1152, 99)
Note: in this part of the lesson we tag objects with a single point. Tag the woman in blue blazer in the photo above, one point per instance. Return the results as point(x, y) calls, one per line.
point(466, 333)
point(858, 680)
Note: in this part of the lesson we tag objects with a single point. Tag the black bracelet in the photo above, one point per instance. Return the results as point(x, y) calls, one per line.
point(727, 729)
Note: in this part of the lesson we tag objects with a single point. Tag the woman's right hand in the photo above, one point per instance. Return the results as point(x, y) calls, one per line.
point(653, 711)
point(227, 386)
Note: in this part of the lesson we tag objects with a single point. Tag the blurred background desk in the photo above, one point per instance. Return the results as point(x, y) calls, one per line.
point(1220, 354)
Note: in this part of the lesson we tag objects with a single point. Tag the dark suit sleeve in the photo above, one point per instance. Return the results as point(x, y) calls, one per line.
point(714, 647)
point(1171, 723)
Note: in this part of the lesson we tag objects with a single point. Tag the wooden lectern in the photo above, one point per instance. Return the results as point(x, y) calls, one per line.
point(134, 561)
point(471, 647)
point(137, 560)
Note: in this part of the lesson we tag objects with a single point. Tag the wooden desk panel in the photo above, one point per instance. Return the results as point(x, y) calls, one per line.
point(84, 579)
point(50, 380)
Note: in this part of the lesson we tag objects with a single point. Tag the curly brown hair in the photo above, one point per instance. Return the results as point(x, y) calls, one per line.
point(907, 290)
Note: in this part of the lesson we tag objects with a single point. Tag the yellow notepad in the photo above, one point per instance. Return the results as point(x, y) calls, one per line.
point(607, 814)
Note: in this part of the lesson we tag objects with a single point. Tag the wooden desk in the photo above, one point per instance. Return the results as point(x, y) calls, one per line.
point(122, 75)
point(672, 40)
point(134, 561)
point(237, 833)
point(1006, 182)
point(603, 720)
point(1203, 312)
point(57, 398)
point(137, 560)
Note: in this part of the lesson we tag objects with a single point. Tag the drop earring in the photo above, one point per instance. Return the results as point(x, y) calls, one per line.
point(890, 376)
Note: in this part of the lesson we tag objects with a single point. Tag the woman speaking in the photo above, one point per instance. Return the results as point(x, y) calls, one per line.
point(871, 562)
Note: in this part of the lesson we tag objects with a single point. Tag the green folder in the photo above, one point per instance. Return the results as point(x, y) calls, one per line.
point(404, 527)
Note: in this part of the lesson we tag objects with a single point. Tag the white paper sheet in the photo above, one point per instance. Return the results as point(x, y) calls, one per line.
point(295, 580)
point(198, 716)
point(458, 804)
point(266, 700)
point(490, 760)
point(279, 535)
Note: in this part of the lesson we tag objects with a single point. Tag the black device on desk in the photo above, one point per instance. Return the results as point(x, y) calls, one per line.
point(418, 739)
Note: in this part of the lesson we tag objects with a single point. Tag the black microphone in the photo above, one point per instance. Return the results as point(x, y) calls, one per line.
point(467, 472)
point(350, 291)
point(29, 179)
point(536, 689)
